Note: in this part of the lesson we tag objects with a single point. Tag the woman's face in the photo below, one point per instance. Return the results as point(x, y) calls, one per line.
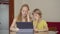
point(36, 16)
point(24, 11)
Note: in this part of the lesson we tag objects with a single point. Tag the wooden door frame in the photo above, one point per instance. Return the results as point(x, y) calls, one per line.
point(11, 11)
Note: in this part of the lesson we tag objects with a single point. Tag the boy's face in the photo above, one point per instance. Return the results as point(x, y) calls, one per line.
point(36, 16)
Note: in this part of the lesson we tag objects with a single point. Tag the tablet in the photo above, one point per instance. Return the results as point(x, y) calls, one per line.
point(25, 25)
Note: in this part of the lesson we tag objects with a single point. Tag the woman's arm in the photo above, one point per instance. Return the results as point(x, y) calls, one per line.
point(13, 26)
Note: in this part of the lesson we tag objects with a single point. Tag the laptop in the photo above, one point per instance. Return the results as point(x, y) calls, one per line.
point(25, 25)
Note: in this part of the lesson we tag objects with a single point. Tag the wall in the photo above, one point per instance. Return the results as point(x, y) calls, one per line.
point(4, 19)
point(49, 8)
point(4, 16)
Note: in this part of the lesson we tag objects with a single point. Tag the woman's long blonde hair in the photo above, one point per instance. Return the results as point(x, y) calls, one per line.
point(19, 18)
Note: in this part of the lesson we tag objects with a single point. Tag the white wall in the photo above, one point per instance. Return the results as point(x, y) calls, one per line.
point(49, 8)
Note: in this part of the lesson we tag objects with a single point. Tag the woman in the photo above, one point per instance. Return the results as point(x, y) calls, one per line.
point(22, 17)
point(39, 24)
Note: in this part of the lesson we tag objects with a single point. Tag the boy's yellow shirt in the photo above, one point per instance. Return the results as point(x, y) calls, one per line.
point(40, 25)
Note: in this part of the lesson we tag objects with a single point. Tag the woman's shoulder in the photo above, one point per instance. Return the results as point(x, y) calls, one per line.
point(15, 18)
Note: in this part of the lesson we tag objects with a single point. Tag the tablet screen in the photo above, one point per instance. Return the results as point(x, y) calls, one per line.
point(25, 25)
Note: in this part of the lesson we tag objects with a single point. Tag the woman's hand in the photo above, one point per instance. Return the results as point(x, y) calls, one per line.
point(17, 29)
point(28, 17)
point(14, 29)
